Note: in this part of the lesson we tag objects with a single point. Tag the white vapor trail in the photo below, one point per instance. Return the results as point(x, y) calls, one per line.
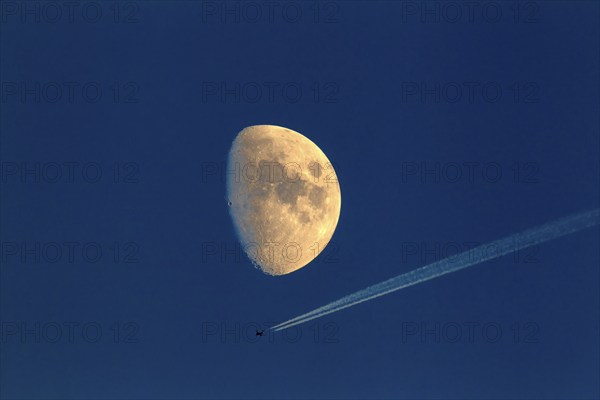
point(477, 255)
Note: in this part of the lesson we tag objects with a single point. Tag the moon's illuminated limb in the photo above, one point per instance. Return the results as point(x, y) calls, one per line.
point(477, 255)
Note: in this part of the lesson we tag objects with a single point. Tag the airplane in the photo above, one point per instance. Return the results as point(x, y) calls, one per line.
point(260, 333)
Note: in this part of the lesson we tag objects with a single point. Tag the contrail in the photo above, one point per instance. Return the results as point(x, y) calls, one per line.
point(477, 255)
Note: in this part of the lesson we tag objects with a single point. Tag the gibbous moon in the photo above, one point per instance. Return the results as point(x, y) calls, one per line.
point(283, 196)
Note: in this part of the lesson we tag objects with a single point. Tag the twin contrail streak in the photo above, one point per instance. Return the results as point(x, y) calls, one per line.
point(469, 258)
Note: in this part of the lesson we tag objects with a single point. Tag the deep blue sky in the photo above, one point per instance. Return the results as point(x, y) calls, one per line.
point(160, 122)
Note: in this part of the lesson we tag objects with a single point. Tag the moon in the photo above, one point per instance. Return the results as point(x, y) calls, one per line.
point(283, 195)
